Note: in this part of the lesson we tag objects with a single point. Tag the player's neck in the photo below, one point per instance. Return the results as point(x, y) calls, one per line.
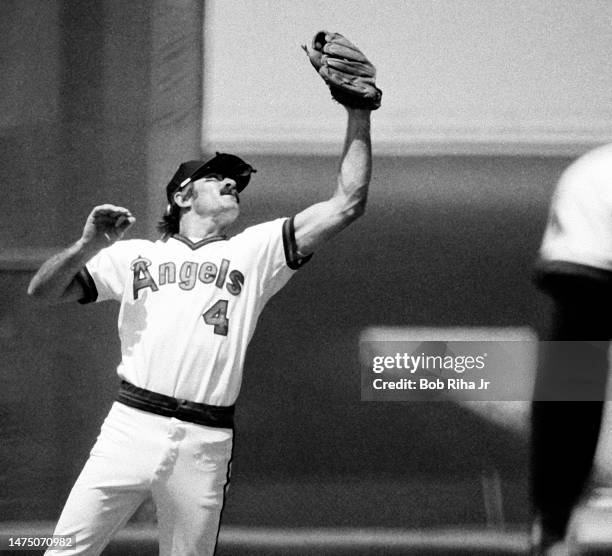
point(200, 227)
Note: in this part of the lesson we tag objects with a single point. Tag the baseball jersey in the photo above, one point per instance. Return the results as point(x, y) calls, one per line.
point(189, 308)
point(579, 227)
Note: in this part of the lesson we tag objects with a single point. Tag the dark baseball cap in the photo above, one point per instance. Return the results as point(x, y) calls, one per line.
point(228, 165)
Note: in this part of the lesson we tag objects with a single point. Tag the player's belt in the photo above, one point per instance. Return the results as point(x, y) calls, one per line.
point(192, 412)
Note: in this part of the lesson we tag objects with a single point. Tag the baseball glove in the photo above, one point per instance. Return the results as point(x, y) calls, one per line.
point(346, 71)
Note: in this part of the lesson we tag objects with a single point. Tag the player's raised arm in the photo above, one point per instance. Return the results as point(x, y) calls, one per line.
point(322, 221)
point(350, 77)
point(55, 280)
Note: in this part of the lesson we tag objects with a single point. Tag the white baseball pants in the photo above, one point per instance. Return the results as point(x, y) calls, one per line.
point(185, 466)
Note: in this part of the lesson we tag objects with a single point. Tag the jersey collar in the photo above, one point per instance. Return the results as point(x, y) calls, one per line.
point(197, 244)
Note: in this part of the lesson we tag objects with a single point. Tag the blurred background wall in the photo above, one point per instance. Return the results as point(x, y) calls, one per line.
point(99, 102)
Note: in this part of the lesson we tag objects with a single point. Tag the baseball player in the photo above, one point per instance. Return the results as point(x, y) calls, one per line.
point(575, 269)
point(188, 305)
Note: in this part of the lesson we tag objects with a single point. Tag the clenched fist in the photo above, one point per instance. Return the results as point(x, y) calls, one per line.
point(106, 224)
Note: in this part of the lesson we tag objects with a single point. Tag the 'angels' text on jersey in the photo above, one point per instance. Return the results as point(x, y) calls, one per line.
point(188, 275)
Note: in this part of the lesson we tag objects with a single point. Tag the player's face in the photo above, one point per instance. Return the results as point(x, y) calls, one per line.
point(216, 194)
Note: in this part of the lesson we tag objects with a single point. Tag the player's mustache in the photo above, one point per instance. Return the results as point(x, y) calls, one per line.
point(230, 190)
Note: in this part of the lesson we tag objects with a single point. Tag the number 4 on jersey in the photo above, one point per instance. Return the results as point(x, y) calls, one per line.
point(217, 316)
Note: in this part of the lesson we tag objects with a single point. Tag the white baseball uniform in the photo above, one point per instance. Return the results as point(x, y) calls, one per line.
point(579, 229)
point(188, 310)
point(574, 265)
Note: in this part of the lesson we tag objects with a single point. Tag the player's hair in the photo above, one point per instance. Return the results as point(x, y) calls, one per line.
point(170, 220)
point(169, 223)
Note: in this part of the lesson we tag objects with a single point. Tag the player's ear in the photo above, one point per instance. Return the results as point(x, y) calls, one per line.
point(183, 197)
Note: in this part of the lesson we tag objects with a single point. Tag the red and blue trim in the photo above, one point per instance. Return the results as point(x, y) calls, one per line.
point(292, 255)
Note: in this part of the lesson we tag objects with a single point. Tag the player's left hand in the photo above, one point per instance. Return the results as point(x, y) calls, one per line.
point(347, 72)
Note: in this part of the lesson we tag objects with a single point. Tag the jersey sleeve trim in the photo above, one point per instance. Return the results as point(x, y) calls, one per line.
point(292, 256)
point(90, 292)
point(548, 273)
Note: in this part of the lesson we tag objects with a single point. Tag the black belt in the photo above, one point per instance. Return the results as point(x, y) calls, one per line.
point(192, 412)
